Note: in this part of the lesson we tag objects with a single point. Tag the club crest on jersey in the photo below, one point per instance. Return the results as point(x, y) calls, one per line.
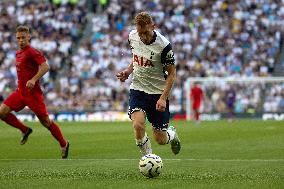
point(143, 62)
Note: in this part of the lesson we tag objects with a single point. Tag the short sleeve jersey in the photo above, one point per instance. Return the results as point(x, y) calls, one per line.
point(27, 65)
point(196, 94)
point(149, 62)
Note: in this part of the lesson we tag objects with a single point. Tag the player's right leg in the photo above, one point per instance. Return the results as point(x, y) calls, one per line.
point(14, 102)
point(141, 137)
point(230, 112)
point(137, 106)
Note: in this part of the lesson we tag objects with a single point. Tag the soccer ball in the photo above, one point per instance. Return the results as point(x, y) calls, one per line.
point(150, 165)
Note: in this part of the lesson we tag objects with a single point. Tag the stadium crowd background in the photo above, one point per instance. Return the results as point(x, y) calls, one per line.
point(87, 45)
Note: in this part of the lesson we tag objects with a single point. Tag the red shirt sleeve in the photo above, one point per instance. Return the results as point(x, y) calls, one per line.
point(37, 56)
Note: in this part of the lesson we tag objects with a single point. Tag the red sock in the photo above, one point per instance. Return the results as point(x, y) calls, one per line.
point(13, 121)
point(197, 116)
point(56, 133)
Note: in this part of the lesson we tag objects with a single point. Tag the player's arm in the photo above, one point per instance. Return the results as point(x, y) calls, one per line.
point(168, 62)
point(171, 69)
point(123, 75)
point(161, 103)
point(43, 69)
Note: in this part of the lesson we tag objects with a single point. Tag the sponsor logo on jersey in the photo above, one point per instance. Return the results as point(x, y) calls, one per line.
point(143, 62)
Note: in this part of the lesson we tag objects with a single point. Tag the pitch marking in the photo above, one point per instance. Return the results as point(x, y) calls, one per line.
point(187, 159)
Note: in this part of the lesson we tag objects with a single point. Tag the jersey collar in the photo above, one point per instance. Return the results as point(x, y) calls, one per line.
point(153, 39)
point(27, 46)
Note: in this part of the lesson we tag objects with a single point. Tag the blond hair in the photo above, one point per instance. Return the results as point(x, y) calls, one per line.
point(143, 18)
point(23, 28)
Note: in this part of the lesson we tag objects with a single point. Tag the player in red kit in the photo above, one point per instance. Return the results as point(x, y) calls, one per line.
point(31, 65)
point(196, 95)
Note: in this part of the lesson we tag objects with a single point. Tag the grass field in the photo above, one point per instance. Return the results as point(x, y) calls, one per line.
point(243, 154)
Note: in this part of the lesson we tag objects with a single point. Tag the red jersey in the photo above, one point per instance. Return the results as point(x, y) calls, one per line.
point(196, 94)
point(27, 65)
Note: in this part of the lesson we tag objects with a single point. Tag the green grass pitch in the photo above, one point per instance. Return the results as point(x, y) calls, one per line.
point(218, 154)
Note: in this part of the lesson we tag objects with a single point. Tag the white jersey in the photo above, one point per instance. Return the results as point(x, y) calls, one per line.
point(149, 62)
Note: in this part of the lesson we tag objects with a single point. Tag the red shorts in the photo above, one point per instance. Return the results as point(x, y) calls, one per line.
point(16, 102)
point(196, 105)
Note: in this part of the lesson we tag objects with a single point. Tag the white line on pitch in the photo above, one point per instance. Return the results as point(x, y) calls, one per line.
point(208, 160)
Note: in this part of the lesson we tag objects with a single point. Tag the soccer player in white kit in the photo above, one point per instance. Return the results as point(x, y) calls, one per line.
point(154, 73)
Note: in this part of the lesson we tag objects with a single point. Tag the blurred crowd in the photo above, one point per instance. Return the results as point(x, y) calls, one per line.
point(55, 29)
point(210, 38)
point(250, 97)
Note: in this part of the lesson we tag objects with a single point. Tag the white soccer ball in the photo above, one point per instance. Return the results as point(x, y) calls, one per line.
point(150, 165)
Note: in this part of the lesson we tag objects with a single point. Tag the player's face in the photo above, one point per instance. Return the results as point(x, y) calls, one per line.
point(23, 39)
point(146, 32)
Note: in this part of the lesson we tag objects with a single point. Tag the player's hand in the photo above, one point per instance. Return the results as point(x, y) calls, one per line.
point(30, 84)
point(161, 105)
point(122, 76)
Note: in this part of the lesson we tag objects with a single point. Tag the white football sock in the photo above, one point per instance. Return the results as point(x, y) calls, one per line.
point(144, 145)
point(141, 141)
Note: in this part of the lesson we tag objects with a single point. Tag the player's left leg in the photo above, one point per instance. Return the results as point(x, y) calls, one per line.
point(161, 132)
point(36, 104)
point(162, 137)
point(174, 139)
point(167, 136)
point(57, 134)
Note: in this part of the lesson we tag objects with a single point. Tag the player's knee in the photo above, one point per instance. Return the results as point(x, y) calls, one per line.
point(3, 114)
point(45, 122)
point(3, 111)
